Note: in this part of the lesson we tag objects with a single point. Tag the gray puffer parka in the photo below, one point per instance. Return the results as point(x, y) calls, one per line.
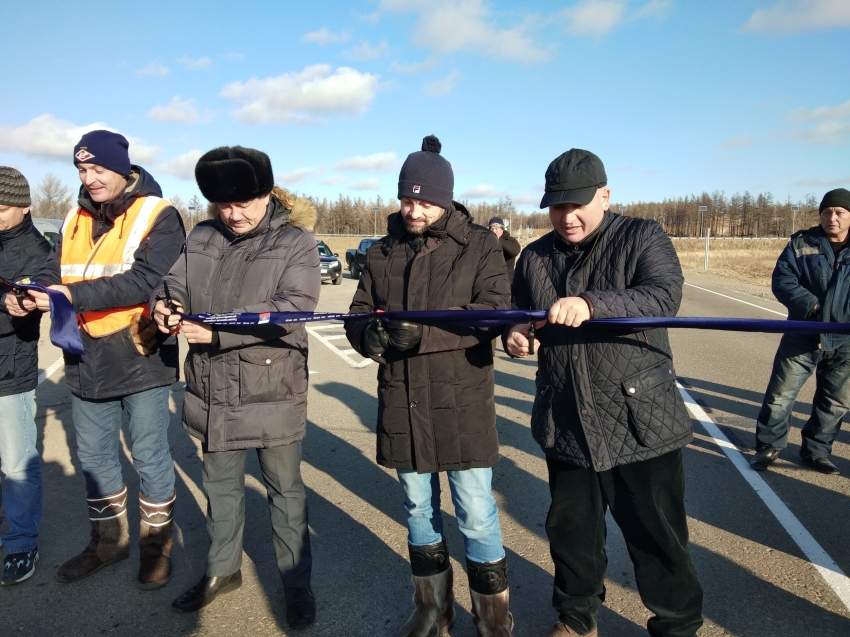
point(249, 390)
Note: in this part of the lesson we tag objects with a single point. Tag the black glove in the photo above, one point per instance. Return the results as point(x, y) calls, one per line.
point(404, 335)
point(375, 341)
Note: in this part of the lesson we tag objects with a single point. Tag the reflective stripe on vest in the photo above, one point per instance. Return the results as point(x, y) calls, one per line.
point(113, 253)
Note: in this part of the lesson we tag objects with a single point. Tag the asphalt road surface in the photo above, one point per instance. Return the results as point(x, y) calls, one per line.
point(771, 549)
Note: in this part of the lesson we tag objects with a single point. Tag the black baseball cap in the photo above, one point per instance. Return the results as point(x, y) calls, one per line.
point(573, 177)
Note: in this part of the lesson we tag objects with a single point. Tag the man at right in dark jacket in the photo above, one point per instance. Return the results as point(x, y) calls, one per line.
point(811, 279)
point(607, 412)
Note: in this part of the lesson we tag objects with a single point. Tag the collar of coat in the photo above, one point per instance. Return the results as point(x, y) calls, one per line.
point(284, 208)
point(458, 226)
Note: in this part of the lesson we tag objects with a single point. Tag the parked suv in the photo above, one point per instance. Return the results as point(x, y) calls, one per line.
point(331, 267)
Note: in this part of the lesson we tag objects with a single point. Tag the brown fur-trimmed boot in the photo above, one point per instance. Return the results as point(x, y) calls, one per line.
point(488, 585)
point(433, 598)
point(155, 542)
point(110, 538)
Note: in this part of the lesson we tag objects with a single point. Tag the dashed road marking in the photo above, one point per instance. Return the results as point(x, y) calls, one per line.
point(347, 354)
point(43, 376)
point(820, 559)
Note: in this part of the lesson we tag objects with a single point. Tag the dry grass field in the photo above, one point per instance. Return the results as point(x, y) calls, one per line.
point(749, 260)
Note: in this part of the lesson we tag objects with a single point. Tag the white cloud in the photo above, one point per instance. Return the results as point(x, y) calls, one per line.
point(799, 16)
point(414, 68)
point(824, 125)
point(810, 182)
point(365, 51)
point(324, 36)
point(443, 87)
point(739, 141)
point(600, 17)
point(439, 22)
point(177, 110)
point(199, 64)
point(155, 68)
point(377, 161)
point(368, 184)
point(483, 191)
point(528, 200)
point(49, 137)
point(182, 166)
point(301, 98)
point(296, 175)
point(238, 57)
point(334, 180)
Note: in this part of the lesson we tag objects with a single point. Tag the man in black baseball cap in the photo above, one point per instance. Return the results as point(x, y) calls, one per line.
point(607, 413)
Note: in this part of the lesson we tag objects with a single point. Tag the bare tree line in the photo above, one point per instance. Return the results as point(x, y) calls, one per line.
point(741, 215)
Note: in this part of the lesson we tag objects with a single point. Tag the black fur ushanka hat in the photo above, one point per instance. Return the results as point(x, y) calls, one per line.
point(234, 173)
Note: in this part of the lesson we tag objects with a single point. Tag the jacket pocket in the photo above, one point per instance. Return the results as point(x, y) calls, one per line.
point(265, 375)
point(7, 357)
point(542, 422)
point(652, 401)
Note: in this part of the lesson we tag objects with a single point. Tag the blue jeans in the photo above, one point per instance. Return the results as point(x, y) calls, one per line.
point(97, 424)
point(475, 509)
point(20, 464)
point(797, 358)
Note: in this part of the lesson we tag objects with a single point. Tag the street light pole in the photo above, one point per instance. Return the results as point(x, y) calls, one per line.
point(375, 210)
point(794, 210)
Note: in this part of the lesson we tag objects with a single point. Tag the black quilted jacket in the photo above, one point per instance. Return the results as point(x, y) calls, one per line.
point(605, 398)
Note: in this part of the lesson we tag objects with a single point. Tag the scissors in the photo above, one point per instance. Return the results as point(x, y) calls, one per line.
point(171, 305)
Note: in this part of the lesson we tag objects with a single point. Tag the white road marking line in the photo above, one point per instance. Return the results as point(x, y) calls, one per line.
point(823, 563)
point(785, 314)
point(43, 376)
point(335, 337)
point(344, 354)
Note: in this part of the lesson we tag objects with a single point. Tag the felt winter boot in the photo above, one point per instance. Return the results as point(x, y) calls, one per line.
point(155, 542)
point(110, 538)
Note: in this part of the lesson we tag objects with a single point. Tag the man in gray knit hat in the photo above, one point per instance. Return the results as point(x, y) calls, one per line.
point(435, 388)
point(22, 250)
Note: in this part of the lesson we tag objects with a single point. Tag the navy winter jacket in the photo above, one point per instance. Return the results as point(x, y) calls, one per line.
point(22, 251)
point(813, 284)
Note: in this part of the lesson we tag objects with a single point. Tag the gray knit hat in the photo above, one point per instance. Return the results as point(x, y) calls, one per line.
point(14, 188)
point(427, 176)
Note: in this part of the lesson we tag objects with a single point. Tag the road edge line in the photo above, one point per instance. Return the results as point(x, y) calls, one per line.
point(831, 573)
point(726, 296)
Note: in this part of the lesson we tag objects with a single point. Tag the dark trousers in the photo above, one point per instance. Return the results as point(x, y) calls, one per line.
point(647, 500)
point(224, 482)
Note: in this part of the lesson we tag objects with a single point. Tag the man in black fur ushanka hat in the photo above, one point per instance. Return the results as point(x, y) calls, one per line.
point(247, 389)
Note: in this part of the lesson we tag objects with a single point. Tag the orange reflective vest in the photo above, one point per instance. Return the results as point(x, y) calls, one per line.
point(84, 259)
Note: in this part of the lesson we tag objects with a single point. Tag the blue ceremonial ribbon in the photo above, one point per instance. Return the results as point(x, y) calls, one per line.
point(491, 318)
point(64, 332)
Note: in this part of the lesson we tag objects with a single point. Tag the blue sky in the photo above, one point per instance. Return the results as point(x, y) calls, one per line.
point(675, 96)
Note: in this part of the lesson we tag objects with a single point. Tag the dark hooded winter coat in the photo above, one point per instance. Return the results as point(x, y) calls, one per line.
point(249, 389)
point(111, 365)
point(22, 251)
point(605, 398)
point(435, 403)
